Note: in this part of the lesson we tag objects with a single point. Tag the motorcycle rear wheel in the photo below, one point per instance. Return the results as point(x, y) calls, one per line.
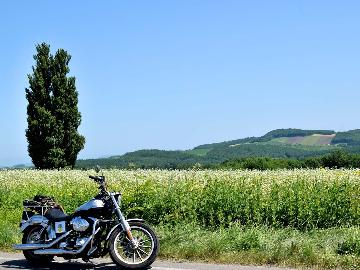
point(31, 236)
point(124, 255)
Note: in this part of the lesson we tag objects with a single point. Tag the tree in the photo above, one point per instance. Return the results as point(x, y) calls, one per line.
point(53, 117)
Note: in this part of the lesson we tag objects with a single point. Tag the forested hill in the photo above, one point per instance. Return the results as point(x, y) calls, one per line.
point(279, 143)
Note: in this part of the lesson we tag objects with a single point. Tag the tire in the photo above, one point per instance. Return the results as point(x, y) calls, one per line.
point(36, 260)
point(146, 256)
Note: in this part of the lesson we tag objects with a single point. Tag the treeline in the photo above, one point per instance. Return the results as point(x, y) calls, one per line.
point(175, 160)
point(145, 159)
point(148, 159)
point(335, 159)
point(267, 150)
point(350, 138)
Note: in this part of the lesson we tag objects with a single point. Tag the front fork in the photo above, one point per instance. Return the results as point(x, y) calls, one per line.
point(122, 219)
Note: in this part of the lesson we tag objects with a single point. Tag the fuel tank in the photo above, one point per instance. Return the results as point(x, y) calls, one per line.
point(91, 207)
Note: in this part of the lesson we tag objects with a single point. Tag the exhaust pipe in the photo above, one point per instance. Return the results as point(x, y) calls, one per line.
point(39, 246)
point(57, 251)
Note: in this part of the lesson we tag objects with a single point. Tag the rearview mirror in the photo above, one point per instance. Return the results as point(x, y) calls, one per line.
point(97, 169)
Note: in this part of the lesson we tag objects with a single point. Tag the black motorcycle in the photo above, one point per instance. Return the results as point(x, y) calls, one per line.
point(95, 229)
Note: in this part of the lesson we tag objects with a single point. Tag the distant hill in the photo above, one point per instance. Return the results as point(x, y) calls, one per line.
point(279, 143)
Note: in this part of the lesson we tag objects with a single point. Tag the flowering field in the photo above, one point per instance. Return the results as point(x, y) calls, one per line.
point(302, 199)
point(293, 199)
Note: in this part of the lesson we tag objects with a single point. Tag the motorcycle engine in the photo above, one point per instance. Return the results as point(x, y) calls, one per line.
point(80, 241)
point(82, 229)
point(79, 224)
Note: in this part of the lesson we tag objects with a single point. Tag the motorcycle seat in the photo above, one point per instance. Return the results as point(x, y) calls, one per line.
point(55, 215)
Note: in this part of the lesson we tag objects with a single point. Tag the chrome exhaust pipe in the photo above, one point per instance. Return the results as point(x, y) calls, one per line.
point(53, 251)
point(63, 251)
point(40, 246)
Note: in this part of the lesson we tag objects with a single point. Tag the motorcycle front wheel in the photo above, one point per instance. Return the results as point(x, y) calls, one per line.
point(125, 254)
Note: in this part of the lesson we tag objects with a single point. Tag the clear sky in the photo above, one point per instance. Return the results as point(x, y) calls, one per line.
point(176, 74)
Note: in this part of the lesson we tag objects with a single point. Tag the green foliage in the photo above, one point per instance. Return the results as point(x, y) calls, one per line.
point(261, 163)
point(53, 117)
point(335, 159)
point(227, 143)
point(271, 151)
point(145, 159)
point(266, 150)
point(350, 138)
point(334, 248)
point(198, 152)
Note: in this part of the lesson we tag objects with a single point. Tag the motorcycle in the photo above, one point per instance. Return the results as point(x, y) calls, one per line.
point(95, 229)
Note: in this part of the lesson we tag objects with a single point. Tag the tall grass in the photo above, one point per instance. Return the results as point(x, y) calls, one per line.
point(335, 248)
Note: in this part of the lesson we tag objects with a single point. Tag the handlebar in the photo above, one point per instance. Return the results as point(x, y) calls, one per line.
point(101, 181)
point(97, 178)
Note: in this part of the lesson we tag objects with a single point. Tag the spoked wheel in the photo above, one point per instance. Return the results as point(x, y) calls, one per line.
point(138, 255)
point(36, 235)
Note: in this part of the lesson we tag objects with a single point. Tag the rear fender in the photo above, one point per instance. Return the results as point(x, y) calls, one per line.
point(119, 225)
point(34, 220)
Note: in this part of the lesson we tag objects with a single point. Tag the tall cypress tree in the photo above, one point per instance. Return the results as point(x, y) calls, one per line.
point(53, 116)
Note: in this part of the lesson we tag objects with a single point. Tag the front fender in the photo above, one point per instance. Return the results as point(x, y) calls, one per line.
point(34, 220)
point(119, 225)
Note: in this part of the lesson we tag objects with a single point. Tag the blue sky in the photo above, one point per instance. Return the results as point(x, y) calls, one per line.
point(176, 74)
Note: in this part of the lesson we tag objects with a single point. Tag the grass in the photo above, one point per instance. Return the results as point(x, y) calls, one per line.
point(319, 249)
point(285, 217)
point(312, 140)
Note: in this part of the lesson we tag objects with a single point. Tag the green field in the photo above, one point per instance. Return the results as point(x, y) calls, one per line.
point(286, 217)
point(311, 140)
